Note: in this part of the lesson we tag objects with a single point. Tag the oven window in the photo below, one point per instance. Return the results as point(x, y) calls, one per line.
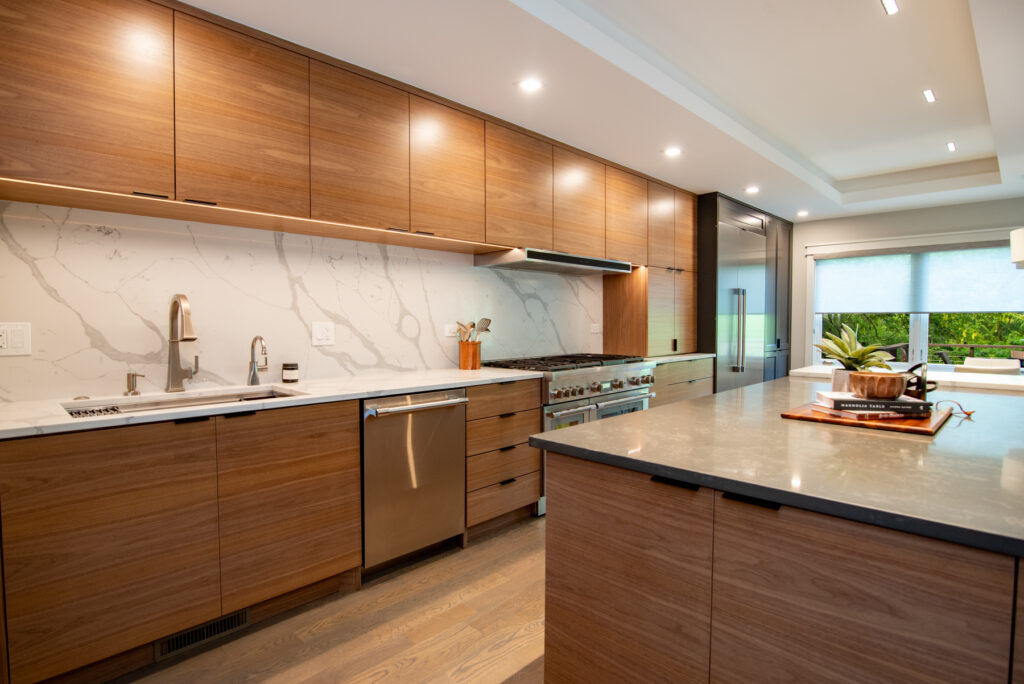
point(626, 407)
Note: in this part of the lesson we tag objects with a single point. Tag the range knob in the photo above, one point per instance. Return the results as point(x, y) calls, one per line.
point(556, 393)
point(581, 390)
point(595, 387)
point(649, 379)
point(634, 380)
point(617, 383)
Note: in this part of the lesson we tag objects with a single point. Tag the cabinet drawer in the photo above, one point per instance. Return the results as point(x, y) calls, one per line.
point(683, 371)
point(501, 397)
point(491, 468)
point(508, 429)
point(490, 502)
point(666, 394)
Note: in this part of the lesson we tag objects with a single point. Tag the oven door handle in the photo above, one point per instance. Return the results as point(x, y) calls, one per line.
point(569, 412)
point(617, 402)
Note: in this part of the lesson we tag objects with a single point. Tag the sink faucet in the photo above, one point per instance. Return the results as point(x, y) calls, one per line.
point(181, 331)
point(254, 379)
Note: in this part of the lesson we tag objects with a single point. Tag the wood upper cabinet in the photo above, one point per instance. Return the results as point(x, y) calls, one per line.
point(88, 94)
point(579, 190)
point(241, 120)
point(650, 312)
point(446, 169)
point(805, 596)
point(627, 584)
point(625, 216)
point(359, 149)
point(289, 492)
point(686, 231)
point(661, 225)
point(109, 542)
point(686, 312)
point(518, 189)
point(661, 312)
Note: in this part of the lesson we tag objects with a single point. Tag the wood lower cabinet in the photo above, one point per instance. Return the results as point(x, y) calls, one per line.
point(579, 196)
point(801, 596)
point(446, 170)
point(628, 576)
point(359, 149)
point(625, 216)
point(518, 172)
point(88, 94)
point(680, 380)
point(109, 542)
point(241, 120)
point(290, 506)
point(503, 472)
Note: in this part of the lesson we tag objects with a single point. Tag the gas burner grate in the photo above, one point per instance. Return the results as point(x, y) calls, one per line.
point(564, 362)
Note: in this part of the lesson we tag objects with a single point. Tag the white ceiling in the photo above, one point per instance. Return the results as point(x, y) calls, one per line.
point(817, 102)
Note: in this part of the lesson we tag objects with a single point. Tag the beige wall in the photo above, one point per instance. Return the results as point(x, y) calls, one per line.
point(922, 222)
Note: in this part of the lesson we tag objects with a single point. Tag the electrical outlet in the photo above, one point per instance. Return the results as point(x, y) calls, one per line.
point(451, 330)
point(595, 328)
point(323, 334)
point(15, 339)
point(3, 340)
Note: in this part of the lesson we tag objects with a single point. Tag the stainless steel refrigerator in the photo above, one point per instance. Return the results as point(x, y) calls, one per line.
point(740, 295)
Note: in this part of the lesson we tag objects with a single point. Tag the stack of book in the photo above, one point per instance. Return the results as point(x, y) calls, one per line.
point(848, 405)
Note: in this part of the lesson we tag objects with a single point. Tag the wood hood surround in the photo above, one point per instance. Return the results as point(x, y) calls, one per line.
point(212, 110)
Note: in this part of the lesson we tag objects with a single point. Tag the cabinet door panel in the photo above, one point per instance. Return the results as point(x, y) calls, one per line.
point(446, 167)
point(809, 597)
point(518, 189)
point(686, 231)
point(661, 328)
point(109, 542)
point(661, 225)
point(686, 312)
point(626, 216)
point(88, 94)
point(628, 577)
point(488, 434)
point(578, 204)
point(359, 149)
point(241, 120)
point(289, 492)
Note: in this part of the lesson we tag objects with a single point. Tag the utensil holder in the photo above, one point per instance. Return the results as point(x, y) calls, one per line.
point(469, 355)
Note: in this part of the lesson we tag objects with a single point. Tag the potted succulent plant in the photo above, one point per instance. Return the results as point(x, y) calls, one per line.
point(847, 350)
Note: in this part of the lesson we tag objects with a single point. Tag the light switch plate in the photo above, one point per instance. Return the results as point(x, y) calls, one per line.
point(323, 333)
point(15, 339)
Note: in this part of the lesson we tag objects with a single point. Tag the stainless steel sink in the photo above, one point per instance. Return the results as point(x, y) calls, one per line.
point(87, 408)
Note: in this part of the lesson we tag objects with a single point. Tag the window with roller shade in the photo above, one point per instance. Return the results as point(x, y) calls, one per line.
point(977, 290)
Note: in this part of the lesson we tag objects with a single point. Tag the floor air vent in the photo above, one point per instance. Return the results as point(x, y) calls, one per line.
point(190, 638)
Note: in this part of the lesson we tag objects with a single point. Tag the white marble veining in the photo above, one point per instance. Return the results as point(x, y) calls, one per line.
point(945, 379)
point(97, 286)
point(964, 484)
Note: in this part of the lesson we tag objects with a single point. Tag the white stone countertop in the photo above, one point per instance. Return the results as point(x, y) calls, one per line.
point(946, 379)
point(42, 417)
point(680, 357)
point(965, 484)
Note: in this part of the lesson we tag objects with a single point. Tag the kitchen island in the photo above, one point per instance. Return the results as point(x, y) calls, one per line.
point(712, 540)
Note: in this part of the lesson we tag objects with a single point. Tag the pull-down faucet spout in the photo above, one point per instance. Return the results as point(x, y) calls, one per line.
point(181, 331)
point(254, 368)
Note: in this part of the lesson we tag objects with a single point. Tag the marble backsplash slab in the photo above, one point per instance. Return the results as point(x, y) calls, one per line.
point(97, 287)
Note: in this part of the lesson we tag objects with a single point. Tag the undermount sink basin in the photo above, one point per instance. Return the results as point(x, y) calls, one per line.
point(88, 408)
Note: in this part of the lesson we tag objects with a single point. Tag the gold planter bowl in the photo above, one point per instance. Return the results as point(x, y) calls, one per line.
point(878, 385)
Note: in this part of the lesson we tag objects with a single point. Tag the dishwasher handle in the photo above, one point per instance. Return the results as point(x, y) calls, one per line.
point(370, 412)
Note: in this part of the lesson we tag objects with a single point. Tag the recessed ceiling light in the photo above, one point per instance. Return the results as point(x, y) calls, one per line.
point(530, 84)
point(802, 212)
point(753, 190)
point(890, 6)
point(951, 146)
point(672, 151)
point(929, 95)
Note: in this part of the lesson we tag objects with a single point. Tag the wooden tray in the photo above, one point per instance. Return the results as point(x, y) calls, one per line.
point(917, 426)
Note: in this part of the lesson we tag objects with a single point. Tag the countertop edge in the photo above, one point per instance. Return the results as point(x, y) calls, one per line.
point(872, 516)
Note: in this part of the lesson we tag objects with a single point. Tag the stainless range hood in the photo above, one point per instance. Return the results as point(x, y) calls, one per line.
point(530, 259)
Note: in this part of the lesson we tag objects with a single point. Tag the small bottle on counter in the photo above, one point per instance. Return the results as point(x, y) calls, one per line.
point(289, 372)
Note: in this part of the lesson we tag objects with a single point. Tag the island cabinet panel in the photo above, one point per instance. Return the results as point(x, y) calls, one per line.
point(446, 167)
point(88, 94)
point(661, 225)
point(518, 189)
point(628, 576)
point(359, 149)
point(686, 231)
point(625, 216)
point(579, 191)
point(241, 115)
point(109, 542)
point(289, 491)
point(801, 596)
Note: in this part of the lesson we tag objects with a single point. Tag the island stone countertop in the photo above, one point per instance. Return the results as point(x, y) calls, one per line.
point(965, 484)
point(44, 417)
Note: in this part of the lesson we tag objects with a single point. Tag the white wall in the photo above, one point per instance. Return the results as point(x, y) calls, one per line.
point(97, 287)
point(916, 222)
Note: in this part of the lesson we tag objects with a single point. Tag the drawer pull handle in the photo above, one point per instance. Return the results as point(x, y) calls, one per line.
point(193, 419)
point(507, 415)
point(675, 483)
point(139, 193)
point(240, 414)
point(202, 202)
point(507, 382)
point(508, 481)
point(752, 500)
point(508, 448)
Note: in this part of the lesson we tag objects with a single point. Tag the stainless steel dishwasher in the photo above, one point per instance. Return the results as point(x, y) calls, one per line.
point(414, 472)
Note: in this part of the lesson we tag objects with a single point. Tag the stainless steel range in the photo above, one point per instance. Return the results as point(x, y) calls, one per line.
point(579, 388)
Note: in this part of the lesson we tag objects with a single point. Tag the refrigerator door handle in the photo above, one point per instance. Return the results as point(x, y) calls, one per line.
point(741, 330)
